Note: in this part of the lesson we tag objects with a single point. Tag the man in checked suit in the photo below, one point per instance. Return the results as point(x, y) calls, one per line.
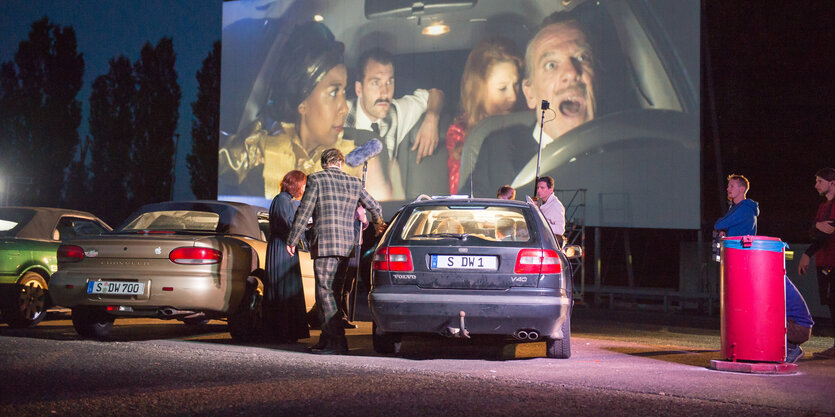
point(331, 198)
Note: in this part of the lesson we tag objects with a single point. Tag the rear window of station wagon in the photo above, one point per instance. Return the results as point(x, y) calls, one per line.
point(491, 223)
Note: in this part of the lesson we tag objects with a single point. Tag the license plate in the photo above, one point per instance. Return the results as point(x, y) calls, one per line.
point(485, 263)
point(115, 287)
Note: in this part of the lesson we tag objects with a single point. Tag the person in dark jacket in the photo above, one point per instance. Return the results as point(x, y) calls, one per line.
point(741, 218)
point(823, 247)
point(284, 293)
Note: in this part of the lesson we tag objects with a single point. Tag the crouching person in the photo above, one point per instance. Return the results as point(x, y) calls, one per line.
point(798, 323)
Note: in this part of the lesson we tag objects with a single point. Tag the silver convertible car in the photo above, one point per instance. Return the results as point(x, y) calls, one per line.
point(186, 260)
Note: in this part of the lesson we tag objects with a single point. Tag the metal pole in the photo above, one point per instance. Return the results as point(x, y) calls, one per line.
point(352, 294)
point(539, 151)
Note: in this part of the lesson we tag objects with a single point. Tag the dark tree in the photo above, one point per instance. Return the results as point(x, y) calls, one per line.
point(78, 185)
point(112, 129)
point(205, 127)
point(40, 113)
point(155, 116)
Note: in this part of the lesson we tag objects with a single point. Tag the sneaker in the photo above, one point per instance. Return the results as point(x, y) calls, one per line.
point(826, 354)
point(794, 355)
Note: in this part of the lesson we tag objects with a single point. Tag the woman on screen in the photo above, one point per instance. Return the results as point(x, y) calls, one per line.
point(489, 87)
point(303, 117)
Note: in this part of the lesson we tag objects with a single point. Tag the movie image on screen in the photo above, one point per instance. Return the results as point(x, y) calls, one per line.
point(467, 96)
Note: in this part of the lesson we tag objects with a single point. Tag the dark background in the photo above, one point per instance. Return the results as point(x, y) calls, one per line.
point(767, 88)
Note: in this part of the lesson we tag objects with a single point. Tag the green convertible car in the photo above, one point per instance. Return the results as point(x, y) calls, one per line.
point(29, 240)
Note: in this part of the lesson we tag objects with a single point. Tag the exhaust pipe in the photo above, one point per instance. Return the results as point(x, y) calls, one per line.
point(167, 312)
point(171, 312)
point(526, 335)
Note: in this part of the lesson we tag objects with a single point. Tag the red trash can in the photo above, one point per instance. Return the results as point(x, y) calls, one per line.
point(753, 299)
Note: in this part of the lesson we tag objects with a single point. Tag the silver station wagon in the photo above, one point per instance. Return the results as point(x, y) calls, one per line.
point(460, 267)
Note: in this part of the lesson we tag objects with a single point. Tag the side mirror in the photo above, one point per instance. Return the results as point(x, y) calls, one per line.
point(573, 251)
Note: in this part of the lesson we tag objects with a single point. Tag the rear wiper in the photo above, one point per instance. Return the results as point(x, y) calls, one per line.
point(462, 236)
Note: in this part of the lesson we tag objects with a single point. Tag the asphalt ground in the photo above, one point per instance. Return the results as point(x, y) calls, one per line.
point(623, 363)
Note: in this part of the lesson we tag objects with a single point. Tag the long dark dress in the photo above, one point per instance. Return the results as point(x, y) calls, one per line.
point(284, 294)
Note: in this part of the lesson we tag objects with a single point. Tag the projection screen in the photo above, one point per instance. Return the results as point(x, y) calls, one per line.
point(620, 78)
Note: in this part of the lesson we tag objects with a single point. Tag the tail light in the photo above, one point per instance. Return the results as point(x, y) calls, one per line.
point(537, 261)
point(393, 258)
point(195, 256)
point(70, 253)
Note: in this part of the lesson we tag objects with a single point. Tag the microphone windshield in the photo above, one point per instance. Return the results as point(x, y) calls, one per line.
point(363, 153)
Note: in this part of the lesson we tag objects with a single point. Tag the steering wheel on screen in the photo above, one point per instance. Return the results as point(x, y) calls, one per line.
point(611, 132)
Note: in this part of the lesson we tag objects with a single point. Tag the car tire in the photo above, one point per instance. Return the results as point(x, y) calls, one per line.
point(27, 306)
point(246, 323)
point(92, 323)
point(385, 343)
point(560, 348)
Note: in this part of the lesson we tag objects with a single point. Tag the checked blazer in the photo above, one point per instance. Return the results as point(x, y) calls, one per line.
point(331, 198)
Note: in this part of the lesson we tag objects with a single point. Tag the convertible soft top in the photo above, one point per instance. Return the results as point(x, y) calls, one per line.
point(234, 218)
point(38, 222)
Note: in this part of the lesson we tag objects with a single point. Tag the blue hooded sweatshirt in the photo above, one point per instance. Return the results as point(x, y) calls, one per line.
point(740, 220)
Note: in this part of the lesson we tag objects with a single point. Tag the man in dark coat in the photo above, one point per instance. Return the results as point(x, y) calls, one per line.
point(331, 198)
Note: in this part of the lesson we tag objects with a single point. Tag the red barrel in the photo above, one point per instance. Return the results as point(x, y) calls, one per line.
point(753, 299)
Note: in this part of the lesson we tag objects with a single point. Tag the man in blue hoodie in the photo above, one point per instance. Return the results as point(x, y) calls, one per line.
point(741, 218)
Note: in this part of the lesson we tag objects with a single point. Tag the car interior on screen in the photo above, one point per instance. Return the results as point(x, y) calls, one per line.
point(631, 128)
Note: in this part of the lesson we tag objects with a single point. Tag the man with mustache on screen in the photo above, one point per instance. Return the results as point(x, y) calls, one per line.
point(559, 69)
point(391, 119)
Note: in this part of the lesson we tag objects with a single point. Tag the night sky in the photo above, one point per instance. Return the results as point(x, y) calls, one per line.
point(768, 84)
point(106, 29)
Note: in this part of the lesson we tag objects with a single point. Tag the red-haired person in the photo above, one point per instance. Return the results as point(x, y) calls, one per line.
point(489, 87)
point(284, 295)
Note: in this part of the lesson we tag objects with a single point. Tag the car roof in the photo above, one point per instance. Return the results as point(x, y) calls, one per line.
point(465, 200)
point(398, 24)
point(44, 220)
point(233, 217)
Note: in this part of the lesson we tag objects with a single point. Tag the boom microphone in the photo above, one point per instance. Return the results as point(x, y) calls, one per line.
point(545, 105)
point(364, 152)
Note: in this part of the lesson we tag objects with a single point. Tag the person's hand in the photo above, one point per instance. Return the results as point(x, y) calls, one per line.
point(427, 137)
point(360, 215)
point(803, 264)
point(379, 228)
point(291, 250)
point(825, 227)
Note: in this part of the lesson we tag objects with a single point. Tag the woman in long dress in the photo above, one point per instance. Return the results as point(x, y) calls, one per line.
point(284, 293)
